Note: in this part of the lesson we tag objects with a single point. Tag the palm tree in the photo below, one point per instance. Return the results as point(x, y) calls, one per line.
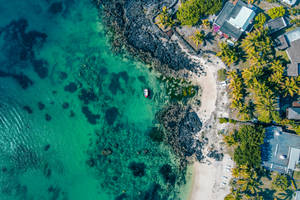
point(258, 46)
point(198, 37)
point(287, 195)
point(290, 87)
point(165, 20)
point(228, 54)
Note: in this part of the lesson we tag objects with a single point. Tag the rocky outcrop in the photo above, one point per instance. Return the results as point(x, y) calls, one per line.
point(182, 126)
point(129, 21)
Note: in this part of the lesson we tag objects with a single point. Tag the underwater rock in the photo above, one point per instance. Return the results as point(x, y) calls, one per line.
point(48, 117)
point(71, 87)
point(152, 193)
point(87, 95)
point(138, 169)
point(115, 84)
point(56, 7)
point(107, 152)
point(41, 106)
point(41, 68)
point(47, 147)
point(121, 197)
point(63, 75)
point(28, 109)
point(65, 105)
point(4, 169)
point(111, 115)
point(72, 113)
point(156, 134)
point(92, 118)
point(124, 76)
point(23, 80)
point(167, 174)
point(32, 38)
point(142, 79)
point(91, 162)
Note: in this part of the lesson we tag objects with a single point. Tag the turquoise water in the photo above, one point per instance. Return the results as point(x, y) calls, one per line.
point(80, 129)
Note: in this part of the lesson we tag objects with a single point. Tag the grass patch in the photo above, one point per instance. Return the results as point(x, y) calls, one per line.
point(222, 75)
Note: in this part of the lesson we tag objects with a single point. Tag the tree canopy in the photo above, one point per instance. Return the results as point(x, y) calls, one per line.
point(276, 12)
point(248, 152)
point(190, 11)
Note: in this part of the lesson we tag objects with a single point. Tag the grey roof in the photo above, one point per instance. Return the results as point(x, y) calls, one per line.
point(281, 42)
point(276, 150)
point(297, 195)
point(275, 25)
point(230, 11)
point(293, 113)
point(225, 13)
point(293, 35)
point(294, 55)
point(231, 30)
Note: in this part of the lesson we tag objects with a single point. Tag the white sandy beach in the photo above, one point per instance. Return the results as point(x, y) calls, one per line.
point(211, 178)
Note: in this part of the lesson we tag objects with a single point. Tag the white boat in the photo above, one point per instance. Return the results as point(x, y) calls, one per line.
point(146, 93)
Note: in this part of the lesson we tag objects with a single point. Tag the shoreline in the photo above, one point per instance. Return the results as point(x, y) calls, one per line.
point(201, 72)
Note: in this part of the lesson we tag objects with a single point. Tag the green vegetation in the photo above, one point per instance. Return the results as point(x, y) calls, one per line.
point(296, 22)
point(249, 139)
point(198, 37)
point(156, 135)
point(190, 11)
point(258, 47)
point(280, 183)
point(228, 54)
point(222, 75)
point(164, 18)
point(247, 155)
point(206, 23)
point(294, 11)
point(260, 20)
point(276, 12)
point(179, 89)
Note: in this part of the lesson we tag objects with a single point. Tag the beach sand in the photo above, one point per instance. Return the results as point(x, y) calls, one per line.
point(211, 178)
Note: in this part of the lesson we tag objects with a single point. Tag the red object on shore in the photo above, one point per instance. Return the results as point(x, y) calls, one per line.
point(146, 93)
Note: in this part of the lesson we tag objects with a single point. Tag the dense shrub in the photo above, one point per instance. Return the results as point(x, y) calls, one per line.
point(190, 11)
point(276, 12)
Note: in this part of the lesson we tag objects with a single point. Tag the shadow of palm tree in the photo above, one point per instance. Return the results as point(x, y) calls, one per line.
point(286, 195)
point(209, 37)
point(268, 194)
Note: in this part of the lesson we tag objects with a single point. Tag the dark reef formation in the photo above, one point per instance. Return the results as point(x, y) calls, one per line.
point(131, 28)
point(182, 125)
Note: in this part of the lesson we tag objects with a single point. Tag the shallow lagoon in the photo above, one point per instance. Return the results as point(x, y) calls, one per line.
point(79, 129)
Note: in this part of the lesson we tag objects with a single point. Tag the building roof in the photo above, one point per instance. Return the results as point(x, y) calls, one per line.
point(293, 113)
point(280, 150)
point(293, 35)
point(296, 103)
point(275, 25)
point(297, 195)
point(293, 54)
point(290, 2)
point(235, 19)
point(281, 42)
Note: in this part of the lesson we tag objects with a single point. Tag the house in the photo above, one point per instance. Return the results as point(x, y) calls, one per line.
point(290, 2)
point(293, 113)
point(297, 195)
point(276, 24)
point(234, 19)
point(281, 150)
point(290, 42)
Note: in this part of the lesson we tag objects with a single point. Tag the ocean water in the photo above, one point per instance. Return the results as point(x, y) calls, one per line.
point(73, 120)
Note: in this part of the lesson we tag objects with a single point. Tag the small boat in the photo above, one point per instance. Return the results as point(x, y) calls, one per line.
point(146, 93)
